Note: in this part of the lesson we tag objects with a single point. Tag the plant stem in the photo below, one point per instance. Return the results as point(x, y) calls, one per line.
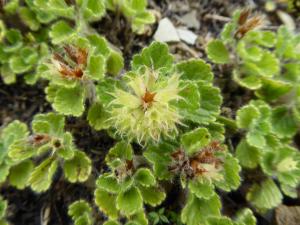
point(228, 122)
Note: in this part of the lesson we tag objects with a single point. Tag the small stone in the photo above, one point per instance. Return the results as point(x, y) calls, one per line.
point(166, 32)
point(287, 20)
point(187, 36)
point(287, 215)
point(190, 20)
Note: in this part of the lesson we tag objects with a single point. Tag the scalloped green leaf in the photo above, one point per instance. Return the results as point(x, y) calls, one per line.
point(256, 138)
point(121, 150)
point(14, 131)
point(210, 101)
point(268, 66)
point(50, 92)
point(96, 67)
point(144, 177)
point(194, 140)
point(79, 168)
point(76, 208)
point(247, 155)
point(106, 203)
point(260, 38)
point(159, 156)
point(20, 173)
point(190, 98)
point(8, 76)
point(203, 188)
point(220, 221)
point(264, 196)
point(152, 195)
point(253, 53)
point(99, 44)
point(69, 101)
point(195, 70)
point(286, 162)
point(246, 217)
point(61, 8)
point(140, 20)
point(11, 7)
point(156, 57)
point(140, 218)
point(217, 52)
point(49, 123)
point(246, 116)
point(29, 18)
point(80, 212)
point(65, 148)
point(272, 89)
point(115, 63)
point(250, 81)
point(231, 178)
point(267, 39)
point(283, 122)
point(21, 150)
point(217, 131)
point(4, 171)
point(105, 89)
point(227, 34)
point(60, 32)
point(108, 182)
point(27, 58)
point(92, 9)
point(196, 211)
point(130, 201)
point(14, 41)
point(41, 177)
point(98, 116)
point(289, 191)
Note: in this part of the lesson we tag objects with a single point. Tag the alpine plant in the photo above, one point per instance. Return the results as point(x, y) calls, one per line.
point(157, 98)
point(145, 111)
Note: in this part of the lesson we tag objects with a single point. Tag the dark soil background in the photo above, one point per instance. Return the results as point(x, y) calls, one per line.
point(21, 101)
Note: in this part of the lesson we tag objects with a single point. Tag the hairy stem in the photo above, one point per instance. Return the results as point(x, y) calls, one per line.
point(230, 123)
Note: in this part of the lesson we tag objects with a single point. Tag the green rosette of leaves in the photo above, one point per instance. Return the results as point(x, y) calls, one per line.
point(127, 187)
point(17, 172)
point(135, 12)
point(157, 97)
point(38, 12)
point(20, 56)
point(53, 147)
point(81, 213)
point(266, 148)
point(74, 71)
point(266, 62)
point(202, 164)
point(252, 50)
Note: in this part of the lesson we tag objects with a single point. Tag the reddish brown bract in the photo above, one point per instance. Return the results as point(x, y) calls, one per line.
point(246, 24)
point(38, 139)
point(125, 170)
point(148, 99)
point(192, 166)
point(78, 56)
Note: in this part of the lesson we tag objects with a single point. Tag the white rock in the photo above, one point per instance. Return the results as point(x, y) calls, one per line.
point(187, 36)
point(190, 20)
point(287, 20)
point(166, 32)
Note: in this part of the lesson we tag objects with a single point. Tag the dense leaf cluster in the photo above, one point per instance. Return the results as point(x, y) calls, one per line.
point(164, 115)
point(266, 62)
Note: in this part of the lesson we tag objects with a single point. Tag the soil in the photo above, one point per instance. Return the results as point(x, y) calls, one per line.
point(21, 101)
